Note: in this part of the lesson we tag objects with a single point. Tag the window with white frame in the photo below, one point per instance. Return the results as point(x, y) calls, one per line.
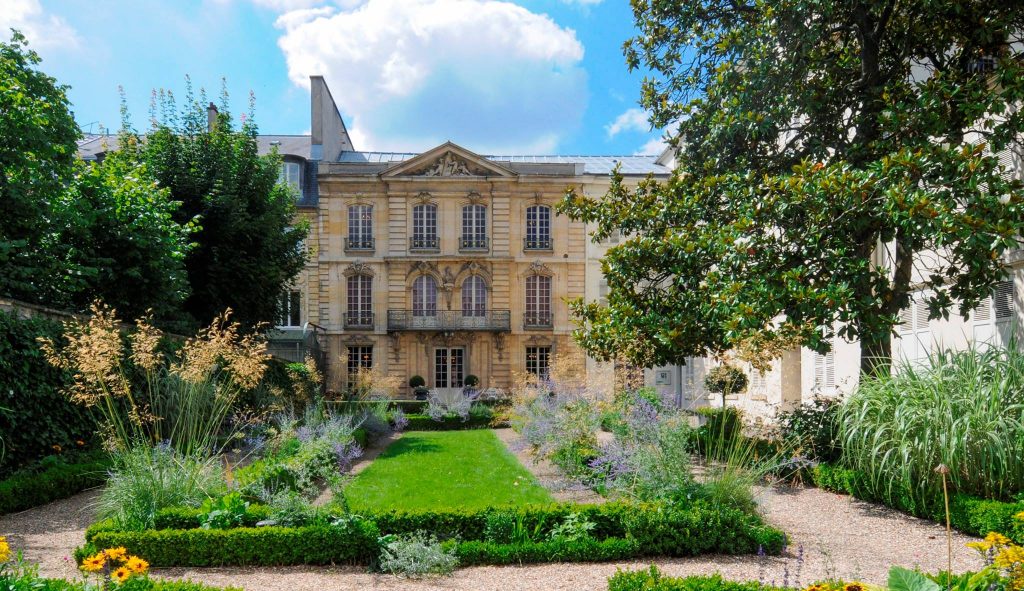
point(994, 319)
point(360, 301)
point(538, 228)
point(474, 227)
point(474, 296)
point(424, 296)
point(825, 368)
point(538, 301)
point(290, 176)
point(914, 330)
point(288, 309)
point(360, 227)
point(424, 226)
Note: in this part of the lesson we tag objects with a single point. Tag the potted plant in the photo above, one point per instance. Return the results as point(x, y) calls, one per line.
point(469, 385)
point(419, 387)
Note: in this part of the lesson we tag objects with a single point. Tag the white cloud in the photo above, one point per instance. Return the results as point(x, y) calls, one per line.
point(287, 5)
point(409, 74)
point(43, 31)
point(631, 120)
point(656, 145)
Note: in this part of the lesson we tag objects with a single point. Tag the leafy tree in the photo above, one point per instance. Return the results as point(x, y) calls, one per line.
point(831, 156)
point(37, 154)
point(247, 247)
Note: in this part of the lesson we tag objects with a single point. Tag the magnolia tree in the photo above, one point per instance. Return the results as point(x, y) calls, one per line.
point(823, 150)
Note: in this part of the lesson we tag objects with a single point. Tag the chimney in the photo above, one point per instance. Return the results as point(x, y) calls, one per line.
point(329, 136)
point(211, 117)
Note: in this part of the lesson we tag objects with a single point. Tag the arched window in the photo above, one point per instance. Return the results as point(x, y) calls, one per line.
point(424, 296)
point(538, 302)
point(360, 301)
point(424, 227)
point(474, 227)
point(474, 296)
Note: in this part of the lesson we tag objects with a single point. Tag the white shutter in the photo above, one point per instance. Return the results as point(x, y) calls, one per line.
point(994, 318)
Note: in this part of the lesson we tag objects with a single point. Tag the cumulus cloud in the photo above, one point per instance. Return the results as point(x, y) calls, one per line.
point(44, 31)
point(631, 120)
point(409, 74)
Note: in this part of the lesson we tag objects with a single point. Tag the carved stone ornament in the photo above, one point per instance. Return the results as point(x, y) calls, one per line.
point(448, 165)
point(422, 268)
point(358, 268)
point(539, 268)
point(499, 345)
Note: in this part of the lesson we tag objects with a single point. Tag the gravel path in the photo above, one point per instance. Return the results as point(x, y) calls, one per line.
point(837, 536)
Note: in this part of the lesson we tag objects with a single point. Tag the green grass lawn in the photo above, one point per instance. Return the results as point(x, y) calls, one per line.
point(445, 470)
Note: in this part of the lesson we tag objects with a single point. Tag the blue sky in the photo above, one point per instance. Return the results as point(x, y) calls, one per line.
point(531, 76)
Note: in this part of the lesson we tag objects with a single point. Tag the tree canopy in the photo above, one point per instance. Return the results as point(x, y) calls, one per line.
point(831, 158)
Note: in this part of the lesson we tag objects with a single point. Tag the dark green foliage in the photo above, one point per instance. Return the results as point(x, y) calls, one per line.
point(36, 583)
point(968, 514)
point(417, 382)
point(721, 427)
point(725, 379)
point(224, 512)
point(814, 132)
point(669, 530)
point(248, 234)
point(652, 580)
point(419, 422)
point(812, 430)
point(583, 550)
point(37, 155)
point(261, 546)
point(52, 479)
point(34, 414)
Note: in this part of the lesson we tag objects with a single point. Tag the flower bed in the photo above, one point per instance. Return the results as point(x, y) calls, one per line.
point(490, 536)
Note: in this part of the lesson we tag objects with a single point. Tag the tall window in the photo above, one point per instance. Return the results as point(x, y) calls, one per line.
point(358, 358)
point(291, 176)
point(474, 296)
point(360, 227)
point(288, 309)
point(994, 318)
point(538, 228)
point(474, 227)
point(424, 296)
point(424, 226)
point(538, 359)
point(538, 301)
point(360, 301)
point(915, 342)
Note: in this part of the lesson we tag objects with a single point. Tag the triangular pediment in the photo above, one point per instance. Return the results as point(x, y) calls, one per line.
point(448, 160)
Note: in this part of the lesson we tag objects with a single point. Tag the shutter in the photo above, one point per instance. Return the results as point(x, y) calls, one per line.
point(1003, 300)
point(830, 367)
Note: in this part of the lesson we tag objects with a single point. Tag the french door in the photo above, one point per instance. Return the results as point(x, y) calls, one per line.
point(449, 367)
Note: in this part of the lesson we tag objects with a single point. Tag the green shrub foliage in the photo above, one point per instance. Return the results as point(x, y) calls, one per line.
point(34, 415)
point(652, 580)
point(53, 479)
point(812, 430)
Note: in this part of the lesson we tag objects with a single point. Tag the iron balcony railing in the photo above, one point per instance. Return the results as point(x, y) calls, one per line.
point(537, 243)
point(448, 320)
point(359, 243)
point(537, 320)
point(357, 320)
point(471, 243)
point(423, 243)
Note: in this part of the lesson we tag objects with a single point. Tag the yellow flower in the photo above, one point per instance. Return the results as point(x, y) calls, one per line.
point(120, 574)
point(137, 565)
point(5, 550)
point(1019, 516)
point(979, 546)
point(118, 553)
point(94, 563)
point(997, 539)
point(853, 587)
point(1010, 557)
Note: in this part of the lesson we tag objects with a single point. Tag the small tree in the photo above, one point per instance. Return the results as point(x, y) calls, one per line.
point(725, 379)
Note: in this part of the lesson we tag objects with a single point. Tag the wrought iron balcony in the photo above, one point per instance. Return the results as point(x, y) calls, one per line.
point(537, 320)
point(450, 320)
point(542, 243)
point(423, 243)
point(473, 243)
point(359, 243)
point(359, 320)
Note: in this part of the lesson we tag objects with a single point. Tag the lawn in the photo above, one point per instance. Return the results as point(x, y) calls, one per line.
point(427, 470)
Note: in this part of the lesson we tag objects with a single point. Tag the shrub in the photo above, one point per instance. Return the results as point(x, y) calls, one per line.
point(223, 512)
point(416, 555)
point(146, 480)
point(652, 580)
point(668, 530)
point(583, 550)
point(812, 430)
point(417, 382)
point(471, 381)
point(575, 527)
point(964, 409)
point(35, 418)
point(725, 379)
point(52, 480)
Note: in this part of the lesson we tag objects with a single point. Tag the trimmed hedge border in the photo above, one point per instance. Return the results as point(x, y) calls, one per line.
point(621, 530)
point(24, 490)
point(971, 515)
point(135, 585)
point(652, 580)
point(407, 406)
point(425, 423)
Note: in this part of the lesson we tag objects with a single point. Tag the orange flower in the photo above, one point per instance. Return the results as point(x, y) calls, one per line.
point(120, 574)
point(137, 565)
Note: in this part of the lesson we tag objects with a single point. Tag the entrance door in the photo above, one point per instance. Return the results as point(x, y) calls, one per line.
point(448, 368)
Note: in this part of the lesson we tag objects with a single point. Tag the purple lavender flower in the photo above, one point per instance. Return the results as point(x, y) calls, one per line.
point(254, 442)
point(345, 454)
point(399, 419)
point(304, 434)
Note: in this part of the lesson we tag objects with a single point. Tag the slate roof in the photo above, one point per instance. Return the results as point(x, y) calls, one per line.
point(598, 165)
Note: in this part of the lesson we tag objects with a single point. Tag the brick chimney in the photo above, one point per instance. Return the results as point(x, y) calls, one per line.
point(211, 117)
